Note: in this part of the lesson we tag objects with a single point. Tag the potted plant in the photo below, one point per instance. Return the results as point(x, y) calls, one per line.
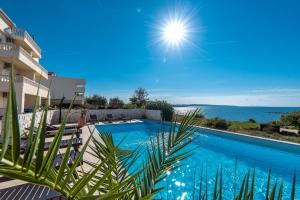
point(82, 118)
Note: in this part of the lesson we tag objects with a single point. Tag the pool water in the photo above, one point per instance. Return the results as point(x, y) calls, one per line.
point(213, 151)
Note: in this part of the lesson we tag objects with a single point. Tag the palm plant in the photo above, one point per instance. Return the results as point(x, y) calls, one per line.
point(110, 174)
point(247, 188)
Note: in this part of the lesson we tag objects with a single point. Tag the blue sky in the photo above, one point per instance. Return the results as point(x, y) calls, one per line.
point(239, 52)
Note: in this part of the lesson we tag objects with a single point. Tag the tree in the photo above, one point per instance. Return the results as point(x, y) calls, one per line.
point(167, 110)
point(116, 102)
point(139, 98)
point(291, 119)
point(96, 100)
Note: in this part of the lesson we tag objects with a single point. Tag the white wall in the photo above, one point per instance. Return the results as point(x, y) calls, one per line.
point(63, 86)
point(53, 115)
point(3, 24)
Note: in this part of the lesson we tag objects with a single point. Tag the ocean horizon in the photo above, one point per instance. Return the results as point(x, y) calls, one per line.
point(261, 114)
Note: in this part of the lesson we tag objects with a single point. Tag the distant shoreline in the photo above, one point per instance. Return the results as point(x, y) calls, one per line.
point(196, 105)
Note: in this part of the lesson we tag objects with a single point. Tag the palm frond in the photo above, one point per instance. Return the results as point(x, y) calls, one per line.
point(165, 153)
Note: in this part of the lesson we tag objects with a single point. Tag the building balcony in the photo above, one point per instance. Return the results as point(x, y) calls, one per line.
point(27, 85)
point(11, 53)
point(22, 36)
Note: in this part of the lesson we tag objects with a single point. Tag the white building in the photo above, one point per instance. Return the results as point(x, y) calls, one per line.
point(19, 49)
point(65, 87)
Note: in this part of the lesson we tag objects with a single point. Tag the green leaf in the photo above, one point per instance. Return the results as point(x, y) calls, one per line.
point(280, 191)
point(64, 163)
point(215, 194)
point(55, 144)
point(31, 130)
point(293, 187)
point(272, 196)
point(252, 186)
point(268, 185)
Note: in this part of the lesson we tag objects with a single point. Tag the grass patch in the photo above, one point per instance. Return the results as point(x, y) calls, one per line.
point(237, 126)
point(247, 128)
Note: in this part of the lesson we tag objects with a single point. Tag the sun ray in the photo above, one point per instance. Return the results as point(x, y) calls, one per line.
point(177, 28)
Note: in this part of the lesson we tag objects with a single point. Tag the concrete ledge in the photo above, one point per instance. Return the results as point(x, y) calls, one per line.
point(53, 115)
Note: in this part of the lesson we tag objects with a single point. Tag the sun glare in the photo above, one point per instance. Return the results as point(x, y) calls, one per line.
point(177, 28)
point(174, 32)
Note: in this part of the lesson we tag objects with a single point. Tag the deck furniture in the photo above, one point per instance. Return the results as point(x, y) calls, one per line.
point(109, 118)
point(124, 118)
point(93, 119)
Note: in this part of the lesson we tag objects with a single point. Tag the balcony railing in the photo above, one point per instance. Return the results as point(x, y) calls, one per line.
point(23, 34)
point(30, 82)
point(2, 112)
point(22, 79)
point(10, 50)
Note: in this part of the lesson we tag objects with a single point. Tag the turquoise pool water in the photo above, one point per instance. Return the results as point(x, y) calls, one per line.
point(213, 151)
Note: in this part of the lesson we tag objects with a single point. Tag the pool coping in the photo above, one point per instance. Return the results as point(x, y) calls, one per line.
point(283, 145)
point(280, 144)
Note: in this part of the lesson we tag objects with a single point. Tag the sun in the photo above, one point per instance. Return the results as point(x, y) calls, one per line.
point(177, 28)
point(174, 32)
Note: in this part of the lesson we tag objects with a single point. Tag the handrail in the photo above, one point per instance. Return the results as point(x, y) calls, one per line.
point(14, 47)
point(23, 79)
point(23, 34)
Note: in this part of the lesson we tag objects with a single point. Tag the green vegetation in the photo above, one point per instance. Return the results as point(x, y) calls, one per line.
point(96, 100)
point(109, 175)
point(215, 123)
point(248, 128)
point(199, 115)
point(139, 98)
point(115, 103)
point(167, 110)
point(83, 112)
point(248, 125)
point(243, 191)
point(290, 120)
point(129, 106)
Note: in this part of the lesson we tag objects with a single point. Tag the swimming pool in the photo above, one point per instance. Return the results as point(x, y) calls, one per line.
point(214, 150)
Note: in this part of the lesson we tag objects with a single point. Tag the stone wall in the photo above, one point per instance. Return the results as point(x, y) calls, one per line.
point(25, 119)
point(53, 115)
point(153, 114)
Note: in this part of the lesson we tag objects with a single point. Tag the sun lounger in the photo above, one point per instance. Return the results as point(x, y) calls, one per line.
point(109, 118)
point(93, 119)
point(73, 155)
point(124, 118)
point(56, 126)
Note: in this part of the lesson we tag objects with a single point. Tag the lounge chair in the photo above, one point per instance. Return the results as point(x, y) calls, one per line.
point(93, 119)
point(56, 126)
point(109, 118)
point(124, 118)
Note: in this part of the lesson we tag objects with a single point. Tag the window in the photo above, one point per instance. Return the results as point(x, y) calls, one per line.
point(4, 94)
point(9, 40)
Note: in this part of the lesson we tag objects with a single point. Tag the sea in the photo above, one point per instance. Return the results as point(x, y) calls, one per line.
point(238, 113)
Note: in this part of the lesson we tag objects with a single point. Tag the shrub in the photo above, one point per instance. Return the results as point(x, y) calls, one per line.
point(115, 103)
point(252, 120)
point(129, 106)
point(221, 124)
point(96, 100)
point(216, 123)
point(291, 119)
point(167, 110)
point(199, 115)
